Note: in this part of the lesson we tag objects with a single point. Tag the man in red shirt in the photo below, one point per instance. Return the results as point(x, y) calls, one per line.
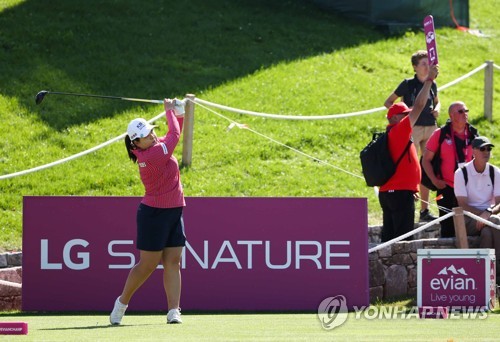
point(397, 196)
point(454, 150)
point(426, 123)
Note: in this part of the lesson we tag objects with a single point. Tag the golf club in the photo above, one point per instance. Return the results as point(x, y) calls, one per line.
point(41, 95)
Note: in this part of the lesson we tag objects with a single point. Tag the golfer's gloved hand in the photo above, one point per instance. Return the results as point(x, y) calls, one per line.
point(169, 104)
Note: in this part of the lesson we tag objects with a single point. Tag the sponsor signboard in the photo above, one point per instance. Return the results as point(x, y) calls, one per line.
point(462, 278)
point(242, 254)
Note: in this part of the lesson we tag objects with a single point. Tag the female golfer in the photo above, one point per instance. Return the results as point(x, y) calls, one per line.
point(160, 228)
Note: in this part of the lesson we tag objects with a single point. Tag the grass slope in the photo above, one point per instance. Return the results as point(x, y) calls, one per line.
point(285, 57)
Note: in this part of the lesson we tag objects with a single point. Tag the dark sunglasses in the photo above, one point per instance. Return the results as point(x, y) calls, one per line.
point(485, 148)
point(462, 111)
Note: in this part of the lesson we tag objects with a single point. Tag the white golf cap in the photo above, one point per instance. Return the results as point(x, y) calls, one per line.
point(139, 128)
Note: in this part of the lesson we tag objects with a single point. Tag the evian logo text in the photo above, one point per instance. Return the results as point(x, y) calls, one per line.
point(457, 281)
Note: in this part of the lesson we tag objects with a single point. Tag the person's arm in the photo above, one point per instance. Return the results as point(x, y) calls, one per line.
point(174, 129)
point(426, 164)
point(437, 107)
point(461, 194)
point(423, 95)
point(496, 191)
point(400, 91)
point(496, 208)
point(463, 203)
point(180, 120)
point(390, 100)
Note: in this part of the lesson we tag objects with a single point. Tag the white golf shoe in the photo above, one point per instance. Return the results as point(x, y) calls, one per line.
point(118, 312)
point(174, 316)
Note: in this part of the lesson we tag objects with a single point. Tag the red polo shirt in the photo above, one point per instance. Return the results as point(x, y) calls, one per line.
point(449, 153)
point(408, 173)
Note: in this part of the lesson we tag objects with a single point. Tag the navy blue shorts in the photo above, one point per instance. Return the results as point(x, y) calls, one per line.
point(158, 228)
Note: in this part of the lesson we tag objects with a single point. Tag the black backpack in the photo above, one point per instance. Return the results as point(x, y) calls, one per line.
point(435, 162)
point(376, 162)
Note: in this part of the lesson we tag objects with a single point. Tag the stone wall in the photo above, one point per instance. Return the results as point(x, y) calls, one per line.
point(393, 269)
point(11, 275)
point(429, 233)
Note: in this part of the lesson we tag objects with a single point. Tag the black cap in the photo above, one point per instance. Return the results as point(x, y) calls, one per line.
point(479, 142)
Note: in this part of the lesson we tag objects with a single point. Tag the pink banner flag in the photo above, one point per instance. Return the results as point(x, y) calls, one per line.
point(430, 40)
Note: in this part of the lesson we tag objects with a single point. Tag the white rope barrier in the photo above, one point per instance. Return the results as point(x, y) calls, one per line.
point(461, 78)
point(325, 117)
point(410, 233)
point(240, 111)
point(288, 117)
point(242, 126)
point(427, 225)
point(480, 219)
point(75, 156)
point(60, 161)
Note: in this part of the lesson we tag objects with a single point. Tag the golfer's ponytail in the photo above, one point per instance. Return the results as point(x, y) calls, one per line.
point(129, 145)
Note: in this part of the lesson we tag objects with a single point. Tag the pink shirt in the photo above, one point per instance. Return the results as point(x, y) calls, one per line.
point(448, 153)
point(159, 169)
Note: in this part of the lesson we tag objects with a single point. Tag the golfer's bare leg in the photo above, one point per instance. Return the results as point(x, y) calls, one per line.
point(139, 273)
point(171, 260)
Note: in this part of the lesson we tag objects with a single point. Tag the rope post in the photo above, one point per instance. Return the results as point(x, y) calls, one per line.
point(460, 231)
point(187, 142)
point(488, 91)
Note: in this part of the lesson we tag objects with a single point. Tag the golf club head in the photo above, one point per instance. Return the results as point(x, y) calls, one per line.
point(39, 97)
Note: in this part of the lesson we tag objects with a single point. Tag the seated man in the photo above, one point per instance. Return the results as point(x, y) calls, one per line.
point(477, 188)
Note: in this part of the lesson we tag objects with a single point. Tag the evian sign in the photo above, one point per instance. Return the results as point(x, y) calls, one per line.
point(451, 277)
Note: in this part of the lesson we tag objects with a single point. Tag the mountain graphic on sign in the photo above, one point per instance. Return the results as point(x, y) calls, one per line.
point(452, 270)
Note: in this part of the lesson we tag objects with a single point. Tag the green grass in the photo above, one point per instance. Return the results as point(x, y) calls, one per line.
point(250, 327)
point(285, 57)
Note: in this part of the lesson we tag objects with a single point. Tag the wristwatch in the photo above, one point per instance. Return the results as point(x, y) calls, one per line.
point(490, 210)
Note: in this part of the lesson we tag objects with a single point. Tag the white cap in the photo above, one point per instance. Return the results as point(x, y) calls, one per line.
point(139, 128)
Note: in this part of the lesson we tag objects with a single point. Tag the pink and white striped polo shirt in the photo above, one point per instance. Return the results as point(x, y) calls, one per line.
point(159, 168)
